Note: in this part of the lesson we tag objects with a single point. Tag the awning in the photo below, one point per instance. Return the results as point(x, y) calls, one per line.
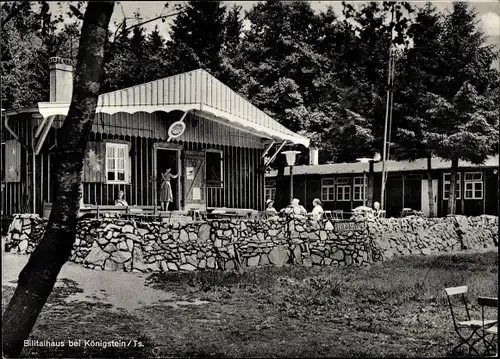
point(48, 109)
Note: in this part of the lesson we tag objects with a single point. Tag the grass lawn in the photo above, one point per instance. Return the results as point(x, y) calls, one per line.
point(393, 309)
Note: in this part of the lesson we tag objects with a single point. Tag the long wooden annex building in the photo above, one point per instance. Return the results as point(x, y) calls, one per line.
point(191, 123)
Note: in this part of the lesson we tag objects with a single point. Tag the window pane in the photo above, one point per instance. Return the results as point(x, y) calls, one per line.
point(110, 152)
point(111, 176)
point(121, 176)
point(478, 194)
point(121, 164)
point(121, 152)
point(111, 164)
point(468, 194)
point(327, 182)
point(478, 186)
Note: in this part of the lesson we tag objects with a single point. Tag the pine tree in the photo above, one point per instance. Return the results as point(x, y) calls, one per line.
point(417, 70)
point(197, 36)
point(462, 109)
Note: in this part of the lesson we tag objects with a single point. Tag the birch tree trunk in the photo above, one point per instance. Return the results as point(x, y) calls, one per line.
point(430, 191)
point(38, 277)
point(452, 197)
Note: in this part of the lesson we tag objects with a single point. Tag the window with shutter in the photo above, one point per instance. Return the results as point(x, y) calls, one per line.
point(12, 161)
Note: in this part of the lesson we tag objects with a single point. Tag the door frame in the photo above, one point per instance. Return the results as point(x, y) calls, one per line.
point(166, 146)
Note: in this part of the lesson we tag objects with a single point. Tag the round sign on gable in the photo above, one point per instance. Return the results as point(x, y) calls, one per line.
point(176, 129)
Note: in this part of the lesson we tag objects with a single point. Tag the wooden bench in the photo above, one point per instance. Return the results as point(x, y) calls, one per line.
point(93, 211)
point(224, 212)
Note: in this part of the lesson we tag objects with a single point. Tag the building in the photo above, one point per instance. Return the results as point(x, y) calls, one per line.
point(342, 185)
point(191, 123)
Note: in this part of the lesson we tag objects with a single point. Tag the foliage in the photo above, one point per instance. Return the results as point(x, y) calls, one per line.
point(197, 36)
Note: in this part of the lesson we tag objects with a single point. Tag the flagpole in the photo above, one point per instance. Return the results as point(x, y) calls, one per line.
point(388, 113)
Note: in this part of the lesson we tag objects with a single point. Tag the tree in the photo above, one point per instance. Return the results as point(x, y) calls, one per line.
point(462, 109)
point(197, 36)
point(38, 277)
point(417, 71)
point(28, 40)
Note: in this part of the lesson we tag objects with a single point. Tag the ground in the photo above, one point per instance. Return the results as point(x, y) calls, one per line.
point(393, 309)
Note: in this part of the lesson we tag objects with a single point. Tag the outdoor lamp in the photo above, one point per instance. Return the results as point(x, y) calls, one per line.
point(364, 160)
point(290, 157)
point(290, 160)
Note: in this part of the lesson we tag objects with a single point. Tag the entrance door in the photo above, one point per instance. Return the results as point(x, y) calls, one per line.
point(194, 180)
point(425, 196)
point(168, 158)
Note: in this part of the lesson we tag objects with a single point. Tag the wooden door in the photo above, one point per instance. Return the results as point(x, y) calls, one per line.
point(194, 180)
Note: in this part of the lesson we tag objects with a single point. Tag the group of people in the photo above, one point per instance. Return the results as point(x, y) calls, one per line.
point(295, 209)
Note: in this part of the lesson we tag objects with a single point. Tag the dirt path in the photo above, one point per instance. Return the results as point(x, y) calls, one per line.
point(122, 290)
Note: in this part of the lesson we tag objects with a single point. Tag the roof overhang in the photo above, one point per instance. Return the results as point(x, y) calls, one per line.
point(48, 109)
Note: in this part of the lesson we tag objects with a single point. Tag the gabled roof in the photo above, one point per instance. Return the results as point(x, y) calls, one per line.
point(391, 166)
point(195, 90)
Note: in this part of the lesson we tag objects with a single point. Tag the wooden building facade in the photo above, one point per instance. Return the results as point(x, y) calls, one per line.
point(218, 152)
point(342, 186)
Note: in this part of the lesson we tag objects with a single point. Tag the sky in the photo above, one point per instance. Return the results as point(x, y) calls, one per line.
point(488, 12)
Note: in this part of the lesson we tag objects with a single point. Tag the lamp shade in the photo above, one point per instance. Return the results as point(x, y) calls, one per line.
point(290, 157)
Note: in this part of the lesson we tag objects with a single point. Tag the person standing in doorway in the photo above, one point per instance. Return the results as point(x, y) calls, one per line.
point(166, 195)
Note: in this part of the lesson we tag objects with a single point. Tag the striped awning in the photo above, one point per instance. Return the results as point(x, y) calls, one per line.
point(196, 91)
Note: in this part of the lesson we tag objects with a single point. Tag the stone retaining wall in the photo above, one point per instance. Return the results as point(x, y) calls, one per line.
point(115, 244)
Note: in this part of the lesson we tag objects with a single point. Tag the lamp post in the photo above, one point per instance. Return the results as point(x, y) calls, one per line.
point(371, 162)
point(364, 160)
point(290, 160)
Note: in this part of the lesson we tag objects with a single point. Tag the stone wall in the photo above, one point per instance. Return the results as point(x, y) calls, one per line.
point(115, 244)
point(421, 235)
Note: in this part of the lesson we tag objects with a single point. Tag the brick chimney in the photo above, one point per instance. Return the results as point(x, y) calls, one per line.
point(313, 156)
point(61, 79)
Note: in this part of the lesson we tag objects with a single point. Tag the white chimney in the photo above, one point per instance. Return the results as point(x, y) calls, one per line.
point(313, 156)
point(61, 79)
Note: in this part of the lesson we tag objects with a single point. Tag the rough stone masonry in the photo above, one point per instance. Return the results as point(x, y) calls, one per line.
point(116, 244)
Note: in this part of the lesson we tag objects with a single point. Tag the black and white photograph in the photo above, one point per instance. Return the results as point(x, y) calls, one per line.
point(249, 179)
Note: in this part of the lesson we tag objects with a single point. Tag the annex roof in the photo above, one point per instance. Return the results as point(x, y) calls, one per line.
point(391, 166)
point(195, 90)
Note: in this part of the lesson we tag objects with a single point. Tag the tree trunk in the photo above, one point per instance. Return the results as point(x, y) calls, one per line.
point(38, 277)
point(370, 184)
point(430, 192)
point(452, 200)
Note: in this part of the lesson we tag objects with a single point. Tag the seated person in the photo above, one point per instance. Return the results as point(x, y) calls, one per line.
point(120, 201)
point(376, 209)
point(317, 211)
point(295, 209)
point(270, 211)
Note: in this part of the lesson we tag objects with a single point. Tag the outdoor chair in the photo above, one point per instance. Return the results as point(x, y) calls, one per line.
point(489, 344)
point(406, 212)
point(338, 214)
point(327, 215)
point(470, 331)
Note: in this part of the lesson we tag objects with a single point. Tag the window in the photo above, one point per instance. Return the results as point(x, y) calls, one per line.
point(117, 169)
point(446, 185)
point(359, 189)
point(343, 189)
point(270, 190)
point(214, 169)
point(328, 189)
point(473, 183)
